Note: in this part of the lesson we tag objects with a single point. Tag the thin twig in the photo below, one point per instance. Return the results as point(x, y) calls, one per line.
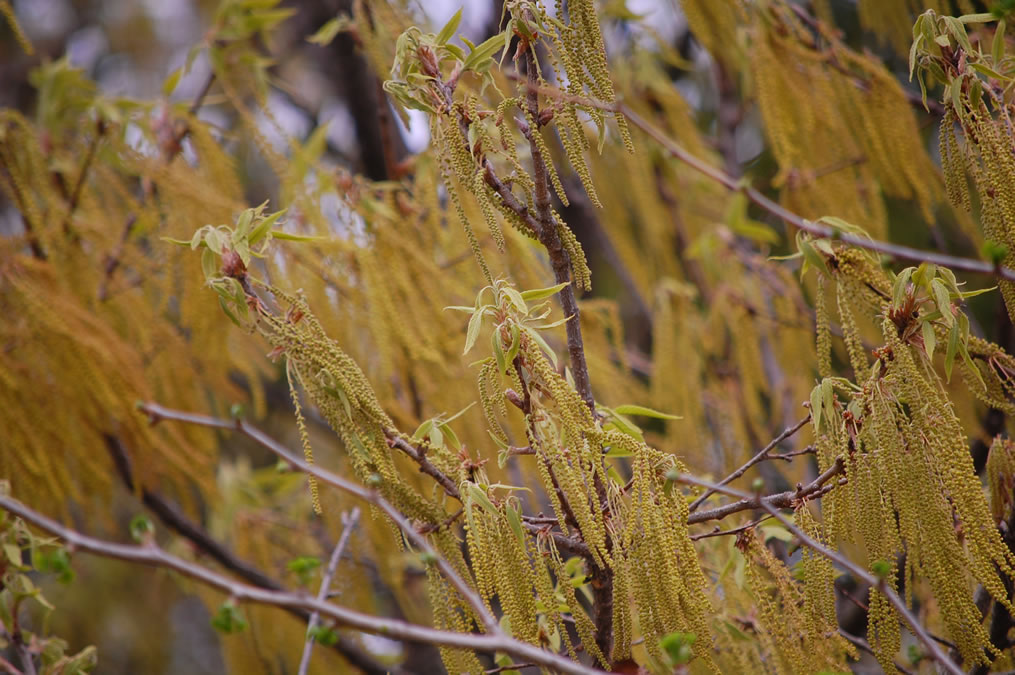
point(322, 593)
point(895, 251)
point(859, 572)
point(736, 530)
point(9, 667)
point(156, 413)
point(170, 515)
point(759, 457)
point(510, 666)
point(154, 556)
point(79, 184)
point(780, 500)
point(864, 646)
point(425, 465)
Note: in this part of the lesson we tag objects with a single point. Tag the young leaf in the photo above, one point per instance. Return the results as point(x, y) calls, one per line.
point(543, 293)
point(475, 323)
point(644, 412)
point(953, 345)
point(929, 339)
point(450, 27)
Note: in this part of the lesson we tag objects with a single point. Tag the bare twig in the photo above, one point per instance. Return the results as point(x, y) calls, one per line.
point(75, 195)
point(759, 457)
point(895, 251)
point(780, 500)
point(322, 594)
point(736, 530)
point(864, 646)
point(171, 516)
point(425, 465)
point(9, 667)
point(400, 630)
point(156, 413)
point(859, 572)
point(510, 666)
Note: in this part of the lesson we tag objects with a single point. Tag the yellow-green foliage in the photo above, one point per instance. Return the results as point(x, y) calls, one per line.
point(544, 496)
point(837, 120)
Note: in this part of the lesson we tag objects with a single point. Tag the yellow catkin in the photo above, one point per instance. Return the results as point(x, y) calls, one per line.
point(308, 454)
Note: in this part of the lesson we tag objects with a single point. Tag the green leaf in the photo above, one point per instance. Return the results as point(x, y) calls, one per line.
point(324, 635)
point(141, 528)
point(422, 430)
point(776, 532)
point(543, 293)
point(997, 45)
point(644, 412)
point(450, 27)
point(678, 647)
point(209, 264)
point(481, 56)
point(953, 346)
point(942, 300)
point(900, 287)
point(811, 256)
point(288, 236)
point(958, 31)
point(452, 437)
point(498, 352)
point(13, 553)
point(229, 619)
point(516, 344)
point(542, 343)
point(472, 334)
point(816, 407)
point(516, 299)
point(169, 86)
point(515, 521)
point(479, 495)
point(326, 33)
point(624, 426)
point(929, 339)
point(178, 242)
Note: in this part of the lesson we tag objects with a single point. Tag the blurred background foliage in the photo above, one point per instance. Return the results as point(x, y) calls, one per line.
point(132, 121)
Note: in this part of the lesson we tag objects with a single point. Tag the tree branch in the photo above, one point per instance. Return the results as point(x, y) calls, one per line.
point(156, 413)
point(781, 500)
point(677, 151)
point(400, 630)
point(171, 516)
point(322, 594)
point(761, 456)
point(550, 238)
point(859, 572)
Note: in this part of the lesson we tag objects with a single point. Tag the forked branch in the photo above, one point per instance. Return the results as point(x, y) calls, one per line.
point(494, 641)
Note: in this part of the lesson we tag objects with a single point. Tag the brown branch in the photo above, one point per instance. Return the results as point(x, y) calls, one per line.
point(425, 465)
point(761, 456)
point(171, 516)
point(780, 500)
point(157, 413)
point(31, 235)
point(859, 572)
point(736, 530)
point(392, 628)
point(550, 238)
point(896, 251)
point(79, 184)
point(322, 593)
point(9, 667)
point(864, 646)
